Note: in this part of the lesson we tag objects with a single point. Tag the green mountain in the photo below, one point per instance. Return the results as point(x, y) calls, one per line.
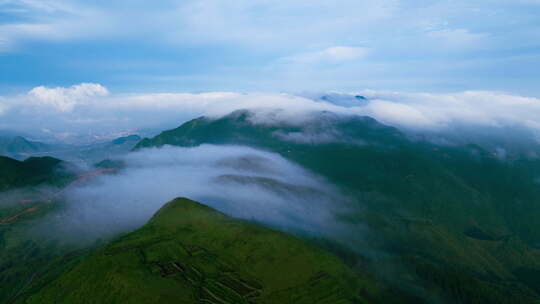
point(190, 253)
point(455, 220)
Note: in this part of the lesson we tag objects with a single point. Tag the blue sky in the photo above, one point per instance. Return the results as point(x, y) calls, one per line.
point(264, 45)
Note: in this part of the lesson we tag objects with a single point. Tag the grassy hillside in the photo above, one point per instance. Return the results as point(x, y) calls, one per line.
point(462, 223)
point(189, 253)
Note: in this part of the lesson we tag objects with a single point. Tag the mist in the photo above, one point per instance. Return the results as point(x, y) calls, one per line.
point(18, 197)
point(239, 181)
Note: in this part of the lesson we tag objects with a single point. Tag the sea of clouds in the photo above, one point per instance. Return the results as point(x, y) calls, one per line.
point(240, 181)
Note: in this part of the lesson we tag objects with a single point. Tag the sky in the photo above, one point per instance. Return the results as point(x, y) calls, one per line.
point(271, 46)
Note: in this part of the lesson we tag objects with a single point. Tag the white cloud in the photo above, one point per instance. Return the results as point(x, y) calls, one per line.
point(91, 109)
point(457, 37)
point(398, 113)
point(229, 178)
point(440, 110)
point(280, 24)
point(41, 5)
point(4, 44)
point(249, 23)
point(29, 30)
point(336, 54)
point(65, 99)
point(51, 20)
point(532, 2)
point(3, 107)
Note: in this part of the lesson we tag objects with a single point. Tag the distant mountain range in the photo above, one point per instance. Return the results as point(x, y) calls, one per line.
point(20, 148)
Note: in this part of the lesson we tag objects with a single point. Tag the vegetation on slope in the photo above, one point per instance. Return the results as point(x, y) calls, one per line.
point(189, 253)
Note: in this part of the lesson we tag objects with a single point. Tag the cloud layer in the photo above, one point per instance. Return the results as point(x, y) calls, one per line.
point(89, 111)
point(240, 181)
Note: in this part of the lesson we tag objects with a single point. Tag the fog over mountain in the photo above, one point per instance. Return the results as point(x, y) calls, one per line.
point(90, 112)
point(240, 181)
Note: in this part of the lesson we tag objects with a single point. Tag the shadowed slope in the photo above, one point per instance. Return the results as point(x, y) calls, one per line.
point(31, 172)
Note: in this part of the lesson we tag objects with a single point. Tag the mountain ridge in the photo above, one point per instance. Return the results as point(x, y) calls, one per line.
point(191, 253)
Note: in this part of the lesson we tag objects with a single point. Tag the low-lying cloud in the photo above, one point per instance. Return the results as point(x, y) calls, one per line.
point(442, 110)
point(21, 196)
point(240, 181)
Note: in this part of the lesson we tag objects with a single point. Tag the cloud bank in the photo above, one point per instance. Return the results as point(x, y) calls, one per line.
point(480, 108)
point(239, 181)
point(88, 111)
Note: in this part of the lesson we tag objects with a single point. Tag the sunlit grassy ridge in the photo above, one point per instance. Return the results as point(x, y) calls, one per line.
point(189, 253)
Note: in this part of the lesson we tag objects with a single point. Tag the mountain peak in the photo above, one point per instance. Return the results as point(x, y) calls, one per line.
point(193, 254)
